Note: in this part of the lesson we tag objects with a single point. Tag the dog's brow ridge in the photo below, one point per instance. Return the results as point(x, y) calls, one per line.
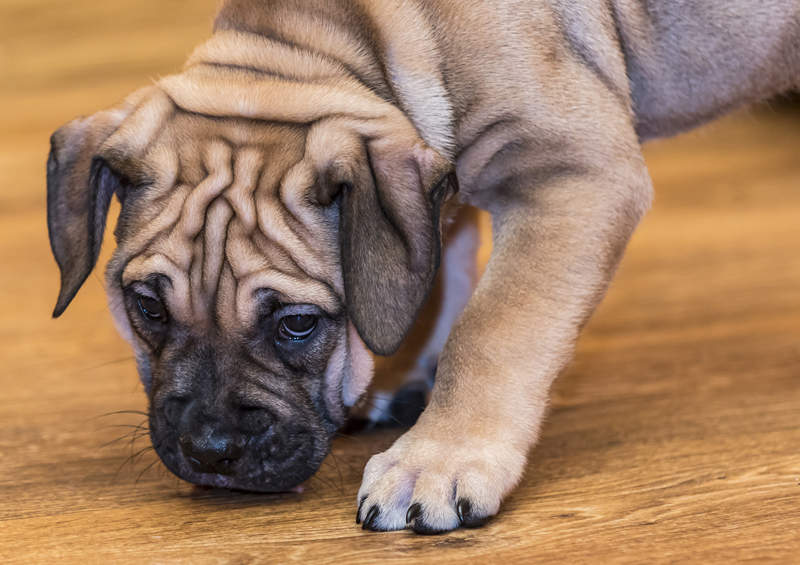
point(226, 219)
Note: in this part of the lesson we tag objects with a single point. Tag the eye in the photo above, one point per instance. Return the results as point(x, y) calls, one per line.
point(297, 327)
point(152, 308)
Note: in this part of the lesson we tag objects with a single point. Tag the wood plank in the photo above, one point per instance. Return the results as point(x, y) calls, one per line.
point(673, 436)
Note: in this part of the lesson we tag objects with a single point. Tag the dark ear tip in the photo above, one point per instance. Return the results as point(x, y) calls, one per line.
point(382, 349)
point(64, 300)
point(59, 309)
point(380, 345)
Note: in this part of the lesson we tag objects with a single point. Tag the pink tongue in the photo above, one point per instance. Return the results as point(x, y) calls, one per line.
point(298, 489)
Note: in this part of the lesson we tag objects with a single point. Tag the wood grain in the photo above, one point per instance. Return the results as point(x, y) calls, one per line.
point(673, 437)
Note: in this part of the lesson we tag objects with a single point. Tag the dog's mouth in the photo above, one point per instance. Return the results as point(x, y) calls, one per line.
point(276, 460)
point(251, 472)
point(254, 475)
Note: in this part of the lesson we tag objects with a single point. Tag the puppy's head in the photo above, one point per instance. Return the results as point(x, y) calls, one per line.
point(265, 236)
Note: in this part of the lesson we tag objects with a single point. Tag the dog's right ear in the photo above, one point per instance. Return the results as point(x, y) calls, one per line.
point(80, 185)
point(390, 238)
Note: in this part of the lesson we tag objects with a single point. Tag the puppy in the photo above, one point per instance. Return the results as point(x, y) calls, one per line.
point(281, 219)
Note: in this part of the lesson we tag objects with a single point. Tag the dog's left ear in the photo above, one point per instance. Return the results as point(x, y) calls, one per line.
point(390, 236)
point(79, 189)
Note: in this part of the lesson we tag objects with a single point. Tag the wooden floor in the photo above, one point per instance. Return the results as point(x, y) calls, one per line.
point(674, 436)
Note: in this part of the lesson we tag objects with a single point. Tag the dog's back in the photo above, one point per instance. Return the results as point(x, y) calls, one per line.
point(689, 61)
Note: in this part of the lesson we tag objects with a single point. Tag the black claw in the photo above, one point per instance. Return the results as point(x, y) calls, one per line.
point(413, 512)
point(463, 508)
point(372, 515)
point(358, 512)
point(419, 526)
point(466, 517)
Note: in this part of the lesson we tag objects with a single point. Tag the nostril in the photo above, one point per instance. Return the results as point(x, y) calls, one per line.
point(211, 452)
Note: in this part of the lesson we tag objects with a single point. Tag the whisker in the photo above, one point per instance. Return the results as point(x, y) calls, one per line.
point(338, 472)
point(131, 459)
point(139, 453)
point(143, 449)
point(106, 364)
point(116, 412)
point(325, 482)
point(135, 435)
point(141, 426)
point(156, 460)
point(137, 431)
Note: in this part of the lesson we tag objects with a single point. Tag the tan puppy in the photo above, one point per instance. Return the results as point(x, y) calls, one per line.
point(281, 203)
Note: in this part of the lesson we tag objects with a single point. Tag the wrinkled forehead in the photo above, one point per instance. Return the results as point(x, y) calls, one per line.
point(220, 210)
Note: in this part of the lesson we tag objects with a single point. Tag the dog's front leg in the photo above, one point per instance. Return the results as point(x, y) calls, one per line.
point(556, 245)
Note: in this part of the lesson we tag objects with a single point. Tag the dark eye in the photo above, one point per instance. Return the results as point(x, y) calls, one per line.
point(297, 327)
point(152, 308)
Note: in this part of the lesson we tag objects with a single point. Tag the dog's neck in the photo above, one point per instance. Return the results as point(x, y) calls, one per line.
point(397, 62)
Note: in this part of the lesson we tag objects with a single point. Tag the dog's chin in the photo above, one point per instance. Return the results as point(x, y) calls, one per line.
point(255, 484)
point(253, 473)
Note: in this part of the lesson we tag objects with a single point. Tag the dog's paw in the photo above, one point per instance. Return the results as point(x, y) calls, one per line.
point(401, 408)
point(390, 409)
point(436, 485)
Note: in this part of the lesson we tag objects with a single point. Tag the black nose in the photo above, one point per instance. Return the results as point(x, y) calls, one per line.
point(211, 450)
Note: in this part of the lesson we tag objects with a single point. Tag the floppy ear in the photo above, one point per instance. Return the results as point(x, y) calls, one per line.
point(79, 189)
point(390, 238)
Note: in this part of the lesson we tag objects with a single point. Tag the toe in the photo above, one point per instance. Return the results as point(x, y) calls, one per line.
point(361, 502)
point(433, 493)
point(467, 515)
point(421, 523)
point(371, 519)
point(434, 486)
